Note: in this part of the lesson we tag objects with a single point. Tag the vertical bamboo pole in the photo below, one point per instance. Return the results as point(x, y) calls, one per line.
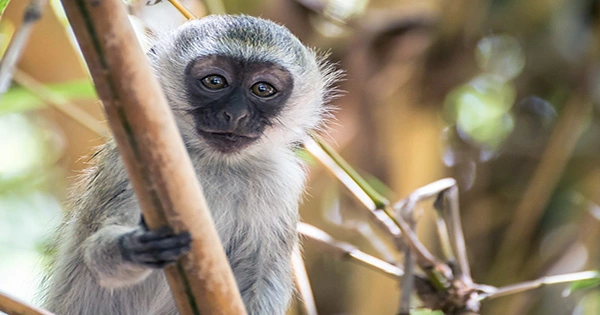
point(154, 155)
point(11, 305)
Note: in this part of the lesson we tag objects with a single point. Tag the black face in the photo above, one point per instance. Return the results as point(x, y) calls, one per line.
point(234, 101)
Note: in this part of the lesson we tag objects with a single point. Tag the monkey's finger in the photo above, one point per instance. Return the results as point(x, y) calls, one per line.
point(165, 255)
point(173, 254)
point(152, 235)
point(160, 264)
point(168, 242)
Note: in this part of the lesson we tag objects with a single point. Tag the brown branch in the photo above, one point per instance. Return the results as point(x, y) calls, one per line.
point(154, 155)
point(13, 306)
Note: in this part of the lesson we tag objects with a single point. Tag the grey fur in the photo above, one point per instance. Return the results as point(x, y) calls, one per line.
point(253, 194)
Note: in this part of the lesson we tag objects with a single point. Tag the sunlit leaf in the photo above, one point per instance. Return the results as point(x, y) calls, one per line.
point(582, 285)
point(20, 99)
point(3, 5)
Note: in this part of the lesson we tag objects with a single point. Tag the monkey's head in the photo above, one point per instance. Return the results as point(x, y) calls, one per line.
point(239, 84)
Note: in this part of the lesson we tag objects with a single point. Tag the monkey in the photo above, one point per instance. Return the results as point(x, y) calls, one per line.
point(245, 92)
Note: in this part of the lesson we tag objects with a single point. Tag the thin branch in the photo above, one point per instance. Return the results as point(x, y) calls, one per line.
point(346, 251)
point(331, 164)
point(154, 155)
point(306, 297)
point(449, 225)
point(439, 273)
point(379, 200)
point(32, 14)
point(449, 207)
point(63, 105)
point(183, 10)
point(397, 228)
point(426, 192)
point(13, 306)
point(535, 284)
point(407, 283)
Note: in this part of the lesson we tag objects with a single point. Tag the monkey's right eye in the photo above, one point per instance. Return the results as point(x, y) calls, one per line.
point(214, 82)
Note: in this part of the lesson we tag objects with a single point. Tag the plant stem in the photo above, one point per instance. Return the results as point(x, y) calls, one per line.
point(183, 10)
point(534, 284)
point(348, 251)
point(32, 14)
point(306, 297)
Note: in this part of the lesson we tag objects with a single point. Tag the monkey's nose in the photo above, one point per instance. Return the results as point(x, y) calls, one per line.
point(233, 118)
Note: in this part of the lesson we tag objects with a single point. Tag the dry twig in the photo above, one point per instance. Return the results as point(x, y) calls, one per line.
point(346, 251)
point(33, 12)
point(307, 299)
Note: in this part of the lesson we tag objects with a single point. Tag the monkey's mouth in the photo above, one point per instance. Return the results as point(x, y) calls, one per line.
point(227, 141)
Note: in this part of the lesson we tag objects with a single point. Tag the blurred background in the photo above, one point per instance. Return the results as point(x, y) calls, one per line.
point(502, 95)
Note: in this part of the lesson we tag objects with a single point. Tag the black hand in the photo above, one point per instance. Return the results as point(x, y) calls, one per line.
point(154, 249)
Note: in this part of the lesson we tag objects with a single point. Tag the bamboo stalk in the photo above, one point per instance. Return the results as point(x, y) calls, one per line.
point(13, 306)
point(154, 155)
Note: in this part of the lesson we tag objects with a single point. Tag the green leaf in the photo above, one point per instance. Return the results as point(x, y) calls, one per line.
point(3, 4)
point(582, 285)
point(19, 99)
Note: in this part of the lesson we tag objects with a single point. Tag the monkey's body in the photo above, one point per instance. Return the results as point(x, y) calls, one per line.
point(244, 92)
point(255, 217)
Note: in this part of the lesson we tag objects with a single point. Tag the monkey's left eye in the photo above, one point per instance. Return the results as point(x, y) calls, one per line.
point(263, 89)
point(214, 82)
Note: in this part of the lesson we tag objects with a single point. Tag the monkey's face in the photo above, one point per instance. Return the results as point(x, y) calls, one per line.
point(233, 101)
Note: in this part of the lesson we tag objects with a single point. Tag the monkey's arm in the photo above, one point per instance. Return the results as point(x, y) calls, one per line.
point(120, 250)
point(102, 255)
point(121, 255)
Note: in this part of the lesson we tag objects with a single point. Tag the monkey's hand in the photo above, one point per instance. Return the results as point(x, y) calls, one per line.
point(154, 249)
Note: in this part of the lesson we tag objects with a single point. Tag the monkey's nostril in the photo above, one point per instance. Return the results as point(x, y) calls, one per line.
point(227, 116)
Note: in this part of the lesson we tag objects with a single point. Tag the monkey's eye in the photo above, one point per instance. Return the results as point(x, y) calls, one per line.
point(214, 82)
point(263, 89)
